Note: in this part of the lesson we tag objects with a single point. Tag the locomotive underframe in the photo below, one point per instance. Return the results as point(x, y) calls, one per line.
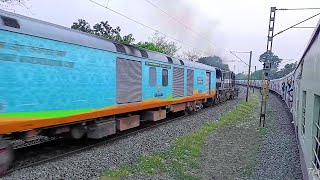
point(104, 126)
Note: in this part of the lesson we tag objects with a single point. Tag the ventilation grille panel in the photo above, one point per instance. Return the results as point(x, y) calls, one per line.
point(208, 83)
point(190, 80)
point(169, 60)
point(120, 48)
point(178, 82)
point(144, 53)
point(129, 81)
point(7, 21)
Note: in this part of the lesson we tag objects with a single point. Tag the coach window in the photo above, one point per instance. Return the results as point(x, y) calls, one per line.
point(164, 77)
point(316, 144)
point(152, 76)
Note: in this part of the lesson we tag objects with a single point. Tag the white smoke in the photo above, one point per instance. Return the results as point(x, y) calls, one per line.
point(187, 14)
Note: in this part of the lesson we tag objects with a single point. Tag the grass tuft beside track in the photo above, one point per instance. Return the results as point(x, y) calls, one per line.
point(183, 156)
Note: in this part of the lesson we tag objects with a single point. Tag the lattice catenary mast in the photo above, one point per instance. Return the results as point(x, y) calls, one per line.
point(266, 68)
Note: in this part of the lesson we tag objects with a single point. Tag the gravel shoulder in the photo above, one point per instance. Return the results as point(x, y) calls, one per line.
point(231, 151)
point(90, 164)
point(279, 155)
point(245, 151)
point(188, 157)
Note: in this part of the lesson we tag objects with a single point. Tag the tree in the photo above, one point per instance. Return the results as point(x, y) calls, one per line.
point(257, 75)
point(150, 46)
point(156, 42)
point(159, 44)
point(241, 76)
point(192, 55)
point(214, 61)
point(128, 39)
point(274, 74)
point(103, 29)
point(288, 68)
point(82, 25)
point(274, 59)
point(169, 47)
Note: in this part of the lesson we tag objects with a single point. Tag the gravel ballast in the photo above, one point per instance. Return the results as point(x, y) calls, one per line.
point(230, 151)
point(90, 164)
point(245, 151)
point(279, 155)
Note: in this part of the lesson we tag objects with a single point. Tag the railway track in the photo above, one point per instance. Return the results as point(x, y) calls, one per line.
point(76, 146)
point(55, 149)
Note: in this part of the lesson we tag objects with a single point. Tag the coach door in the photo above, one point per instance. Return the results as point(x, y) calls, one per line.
point(208, 83)
point(129, 81)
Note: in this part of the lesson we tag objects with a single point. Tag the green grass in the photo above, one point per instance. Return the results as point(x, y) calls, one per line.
point(183, 155)
point(250, 163)
point(151, 164)
point(45, 114)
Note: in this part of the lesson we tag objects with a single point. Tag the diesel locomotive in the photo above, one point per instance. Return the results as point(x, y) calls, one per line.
point(56, 81)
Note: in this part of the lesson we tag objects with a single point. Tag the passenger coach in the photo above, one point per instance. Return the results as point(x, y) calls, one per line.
point(300, 90)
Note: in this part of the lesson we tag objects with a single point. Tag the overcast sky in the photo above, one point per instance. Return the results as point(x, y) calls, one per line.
point(226, 25)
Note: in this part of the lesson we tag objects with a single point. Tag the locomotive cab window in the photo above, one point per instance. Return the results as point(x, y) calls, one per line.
point(164, 77)
point(152, 76)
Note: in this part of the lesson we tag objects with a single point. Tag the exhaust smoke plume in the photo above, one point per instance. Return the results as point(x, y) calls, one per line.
point(185, 12)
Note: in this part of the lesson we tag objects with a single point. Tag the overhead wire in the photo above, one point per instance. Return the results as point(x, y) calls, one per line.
point(190, 29)
point(286, 9)
point(238, 58)
point(296, 24)
point(146, 26)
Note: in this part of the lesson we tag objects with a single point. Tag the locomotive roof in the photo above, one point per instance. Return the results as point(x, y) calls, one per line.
point(34, 27)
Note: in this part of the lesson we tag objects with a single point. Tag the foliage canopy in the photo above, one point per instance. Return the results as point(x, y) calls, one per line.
point(274, 59)
point(214, 61)
point(156, 42)
point(274, 74)
point(103, 29)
